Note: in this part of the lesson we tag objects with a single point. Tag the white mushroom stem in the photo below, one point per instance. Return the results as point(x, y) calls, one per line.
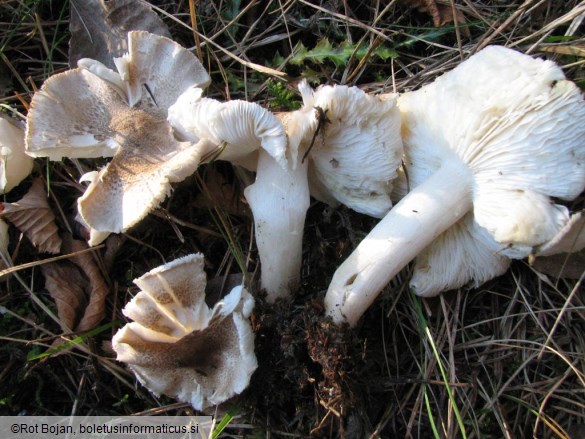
point(279, 200)
point(420, 217)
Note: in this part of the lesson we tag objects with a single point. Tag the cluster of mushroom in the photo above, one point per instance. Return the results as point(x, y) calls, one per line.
point(474, 171)
point(152, 119)
point(487, 146)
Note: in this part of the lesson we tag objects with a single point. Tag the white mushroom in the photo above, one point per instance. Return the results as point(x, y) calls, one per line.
point(355, 156)
point(180, 347)
point(94, 111)
point(153, 65)
point(352, 143)
point(241, 127)
point(486, 146)
point(279, 198)
point(15, 165)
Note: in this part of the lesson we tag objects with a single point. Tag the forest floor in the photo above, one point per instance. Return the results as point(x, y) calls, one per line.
point(505, 360)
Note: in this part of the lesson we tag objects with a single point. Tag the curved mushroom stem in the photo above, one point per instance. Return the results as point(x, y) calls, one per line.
point(279, 200)
point(413, 223)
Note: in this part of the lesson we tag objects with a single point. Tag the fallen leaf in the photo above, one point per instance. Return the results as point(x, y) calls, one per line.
point(65, 284)
point(218, 192)
point(99, 28)
point(33, 216)
point(572, 50)
point(561, 265)
point(97, 290)
point(441, 13)
point(113, 245)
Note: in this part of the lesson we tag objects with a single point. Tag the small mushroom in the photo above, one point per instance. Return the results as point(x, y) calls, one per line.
point(241, 127)
point(486, 146)
point(93, 111)
point(180, 347)
point(254, 138)
point(15, 164)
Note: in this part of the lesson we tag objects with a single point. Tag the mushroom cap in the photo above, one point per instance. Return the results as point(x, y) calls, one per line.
point(15, 165)
point(140, 174)
point(462, 254)
point(93, 111)
point(71, 116)
point(178, 346)
point(518, 126)
point(165, 67)
point(358, 150)
point(243, 126)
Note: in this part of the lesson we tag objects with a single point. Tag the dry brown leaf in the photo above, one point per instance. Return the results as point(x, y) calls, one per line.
point(99, 29)
point(33, 216)
point(98, 289)
point(572, 50)
point(66, 286)
point(218, 192)
point(563, 265)
point(441, 13)
point(113, 245)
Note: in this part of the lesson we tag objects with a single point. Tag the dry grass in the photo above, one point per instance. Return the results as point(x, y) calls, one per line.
point(503, 361)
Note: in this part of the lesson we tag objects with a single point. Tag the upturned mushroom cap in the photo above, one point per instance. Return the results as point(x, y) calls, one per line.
point(180, 347)
point(72, 116)
point(15, 165)
point(519, 127)
point(94, 111)
point(154, 65)
point(358, 149)
point(242, 127)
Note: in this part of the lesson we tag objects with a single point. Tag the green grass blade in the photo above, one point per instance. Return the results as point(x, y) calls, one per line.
point(227, 418)
point(447, 387)
point(77, 340)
